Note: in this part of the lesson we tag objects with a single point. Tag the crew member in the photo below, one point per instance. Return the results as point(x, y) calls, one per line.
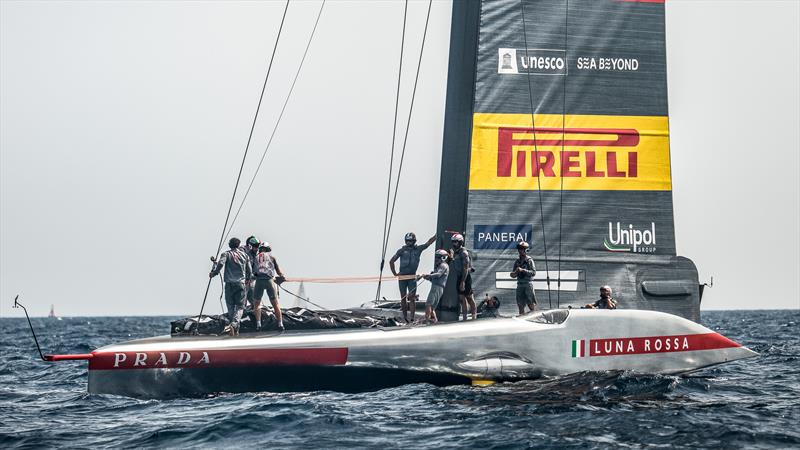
point(605, 301)
point(409, 262)
point(523, 271)
point(438, 279)
point(266, 267)
point(237, 270)
point(252, 251)
point(489, 307)
point(462, 265)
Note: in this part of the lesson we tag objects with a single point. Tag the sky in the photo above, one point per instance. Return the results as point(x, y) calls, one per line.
point(122, 126)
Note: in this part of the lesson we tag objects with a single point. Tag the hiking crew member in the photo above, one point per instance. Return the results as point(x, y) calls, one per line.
point(438, 279)
point(524, 270)
point(489, 307)
point(605, 302)
point(237, 270)
point(409, 262)
point(462, 266)
point(252, 251)
point(265, 269)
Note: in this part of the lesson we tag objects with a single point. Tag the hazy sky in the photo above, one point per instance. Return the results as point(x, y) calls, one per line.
point(122, 126)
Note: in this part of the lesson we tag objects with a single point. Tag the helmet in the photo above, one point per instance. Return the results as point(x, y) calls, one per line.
point(411, 237)
point(441, 254)
point(522, 245)
point(457, 238)
point(253, 241)
point(265, 246)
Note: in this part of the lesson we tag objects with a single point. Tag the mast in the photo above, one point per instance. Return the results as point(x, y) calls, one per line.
point(453, 184)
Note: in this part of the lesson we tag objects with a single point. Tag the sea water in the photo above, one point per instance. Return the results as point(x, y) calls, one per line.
point(753, 403)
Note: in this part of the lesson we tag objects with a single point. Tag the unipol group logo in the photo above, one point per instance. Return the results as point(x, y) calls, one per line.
point(630, 238)
point(535, 61)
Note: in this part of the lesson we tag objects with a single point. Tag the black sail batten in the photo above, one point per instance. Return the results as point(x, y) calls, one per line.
point(600, 103)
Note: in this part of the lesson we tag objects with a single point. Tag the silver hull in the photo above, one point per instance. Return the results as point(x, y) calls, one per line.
point(503, 349)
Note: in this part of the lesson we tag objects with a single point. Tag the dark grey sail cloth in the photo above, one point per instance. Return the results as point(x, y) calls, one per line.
point(293, 319)
point(588, 172)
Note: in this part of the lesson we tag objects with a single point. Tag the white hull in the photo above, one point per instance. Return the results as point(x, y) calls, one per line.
point(502, 349)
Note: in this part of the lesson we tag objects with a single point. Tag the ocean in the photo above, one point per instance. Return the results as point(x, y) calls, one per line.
point(753, 403)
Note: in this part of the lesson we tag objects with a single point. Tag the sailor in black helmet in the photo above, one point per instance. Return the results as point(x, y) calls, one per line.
point(524, 270)
point(237, 270)
point(462, 266)
point(252, 244)
point(409, 262)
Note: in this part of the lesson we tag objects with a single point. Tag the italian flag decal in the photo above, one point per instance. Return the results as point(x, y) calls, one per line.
point(579, 348)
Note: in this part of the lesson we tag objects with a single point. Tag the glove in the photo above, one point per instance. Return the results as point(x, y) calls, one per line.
point(280, 279)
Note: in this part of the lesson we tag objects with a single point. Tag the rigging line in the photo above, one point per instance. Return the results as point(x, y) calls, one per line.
point(563, 139)
point(277, 122)
point(385, 239)
point(301, 298)
point(408, 124)
point(246, 149)
point(536, 155)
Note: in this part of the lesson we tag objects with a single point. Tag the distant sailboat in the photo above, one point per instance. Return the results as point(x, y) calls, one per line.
point(298, 303)
point(52, 314)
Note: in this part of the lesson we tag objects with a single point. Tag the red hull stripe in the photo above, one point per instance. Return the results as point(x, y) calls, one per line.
point(218, 358)
point(659, 344)
point(68, 357)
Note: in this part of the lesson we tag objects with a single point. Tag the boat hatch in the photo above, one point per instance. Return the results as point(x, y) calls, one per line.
point(555, 316)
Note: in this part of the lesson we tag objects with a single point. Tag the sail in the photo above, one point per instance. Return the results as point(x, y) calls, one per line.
point(557, 133)
point(301, 294)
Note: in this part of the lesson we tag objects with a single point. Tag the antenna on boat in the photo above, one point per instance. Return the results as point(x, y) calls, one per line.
point(17, 304)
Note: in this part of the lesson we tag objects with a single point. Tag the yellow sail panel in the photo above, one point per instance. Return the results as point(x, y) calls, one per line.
point(594, 153)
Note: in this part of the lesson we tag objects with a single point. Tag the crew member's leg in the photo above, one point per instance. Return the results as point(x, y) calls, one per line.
point(403, 284)
point(531, 297)
point(272, 293)
point(412, 298)
point(250, 293)
point(462, 298)
point(522, 299)
point(258, 295)
point(470, 298)
point(432, 302)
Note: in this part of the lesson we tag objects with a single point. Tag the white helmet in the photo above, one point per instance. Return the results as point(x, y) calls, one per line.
point(457, 238)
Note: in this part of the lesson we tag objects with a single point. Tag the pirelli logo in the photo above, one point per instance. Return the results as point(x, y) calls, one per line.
point(588, 153)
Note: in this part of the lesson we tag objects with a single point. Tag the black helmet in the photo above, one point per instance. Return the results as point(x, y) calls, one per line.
point(253, 241)
point(410, 236)
point(522, 245)
point(457, 238)
point(234, 243)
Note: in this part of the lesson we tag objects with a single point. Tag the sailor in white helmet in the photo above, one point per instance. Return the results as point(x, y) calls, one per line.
point(462, 266)
point(409, 255)
point(438, 279)
point(267, 274)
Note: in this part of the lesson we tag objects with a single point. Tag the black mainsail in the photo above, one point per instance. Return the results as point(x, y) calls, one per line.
point(557, 132)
